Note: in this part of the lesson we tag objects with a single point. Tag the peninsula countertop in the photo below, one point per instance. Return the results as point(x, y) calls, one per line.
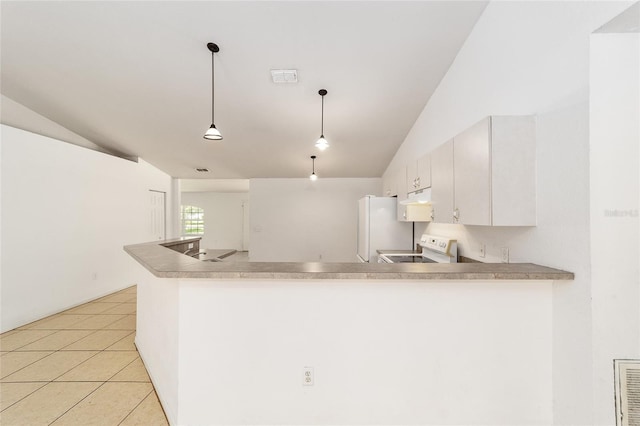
point(166, 263)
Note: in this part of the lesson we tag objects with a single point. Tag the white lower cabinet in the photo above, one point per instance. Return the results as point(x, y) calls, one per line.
point(494, 173)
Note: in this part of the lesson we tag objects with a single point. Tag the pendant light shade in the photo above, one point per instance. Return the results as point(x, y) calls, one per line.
point(322, 143)
point(213, 133)
point(313, 175)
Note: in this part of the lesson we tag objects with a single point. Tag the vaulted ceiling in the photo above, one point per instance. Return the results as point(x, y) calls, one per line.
point(135, 77)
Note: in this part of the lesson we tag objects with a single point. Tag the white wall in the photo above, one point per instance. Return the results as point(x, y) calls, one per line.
point(383, 352)
point(297, 220)
point(18, 116)
point(224, 214)
point(158, 338)
point(615, 188)
point(67, 211)
point(533, 58)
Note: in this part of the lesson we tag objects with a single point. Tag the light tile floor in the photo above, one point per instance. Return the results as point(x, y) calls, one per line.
point(79, 367)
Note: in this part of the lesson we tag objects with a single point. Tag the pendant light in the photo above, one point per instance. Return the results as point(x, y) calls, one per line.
point(313, 175)
point(322, 143)
point(212, 133)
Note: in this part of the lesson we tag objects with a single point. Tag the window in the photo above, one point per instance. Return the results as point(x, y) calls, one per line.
point(192, 219)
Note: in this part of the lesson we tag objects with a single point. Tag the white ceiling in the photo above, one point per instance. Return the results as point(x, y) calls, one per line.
point(135, 77)
point(214, 185)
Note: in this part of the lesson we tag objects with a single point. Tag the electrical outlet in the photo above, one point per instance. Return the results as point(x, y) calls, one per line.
point(483, 251)
point(307, 376)
point(505, 254)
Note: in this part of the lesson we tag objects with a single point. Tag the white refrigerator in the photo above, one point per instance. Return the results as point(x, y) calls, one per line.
point(379, 229)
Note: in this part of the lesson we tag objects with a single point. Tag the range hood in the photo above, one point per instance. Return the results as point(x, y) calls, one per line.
point(422, 196)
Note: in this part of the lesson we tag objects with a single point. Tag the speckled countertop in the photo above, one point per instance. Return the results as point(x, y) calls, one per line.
point(166, 263)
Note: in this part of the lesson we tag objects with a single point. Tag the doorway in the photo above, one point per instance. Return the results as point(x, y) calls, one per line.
point(157, 203)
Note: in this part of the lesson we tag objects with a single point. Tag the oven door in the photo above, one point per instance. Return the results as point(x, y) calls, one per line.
point(435, 257)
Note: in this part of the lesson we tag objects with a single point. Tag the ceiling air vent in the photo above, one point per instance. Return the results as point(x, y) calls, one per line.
point(627, 391)
point(284, 76)
point(203, 170)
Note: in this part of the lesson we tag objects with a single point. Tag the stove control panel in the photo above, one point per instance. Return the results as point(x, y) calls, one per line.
point(437, 244)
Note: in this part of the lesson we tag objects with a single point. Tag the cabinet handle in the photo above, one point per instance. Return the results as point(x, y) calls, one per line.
point(418, 182)
point(404, 214)
point(456, 215)
point(433, 213)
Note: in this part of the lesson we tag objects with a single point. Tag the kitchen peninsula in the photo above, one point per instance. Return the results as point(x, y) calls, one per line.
point(228, 343)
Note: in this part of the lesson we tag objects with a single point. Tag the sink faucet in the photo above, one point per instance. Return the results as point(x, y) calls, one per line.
point(196, 254)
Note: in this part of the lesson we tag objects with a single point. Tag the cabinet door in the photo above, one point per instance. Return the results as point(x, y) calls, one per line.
point(386, 185)
point(401, 183)
point(412, 176)
point(424, 171)
point(513, 171)
point(442, 183)
point(472, 175)
point(390, 184)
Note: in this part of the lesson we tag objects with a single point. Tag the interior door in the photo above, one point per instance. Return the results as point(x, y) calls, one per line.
point(157, 203)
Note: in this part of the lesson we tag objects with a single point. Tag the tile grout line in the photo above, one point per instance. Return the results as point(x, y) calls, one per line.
point(60, 350)
point(123, 291)
point(27, 344)
point(91, 332)
point(103, 383)
point(137, 405)
point(26, 396)
point(132, 332)
point(56, 331)
point(22, 368)
point(82, 399)
point(86, 360)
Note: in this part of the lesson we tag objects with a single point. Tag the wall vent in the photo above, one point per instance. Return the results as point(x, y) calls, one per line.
point(284, 76)
point(202, 170)
point(627, 391)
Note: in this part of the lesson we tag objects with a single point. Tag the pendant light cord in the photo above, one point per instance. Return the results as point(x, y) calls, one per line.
point(322, 119)
point(212, 88)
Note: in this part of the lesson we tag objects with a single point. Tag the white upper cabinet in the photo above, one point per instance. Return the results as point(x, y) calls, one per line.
point(395, 184)
point(494, 173)
point(400, 178)
point(424, 171)
point(389, 185)
point(419, 174)
point(442, 183)
point(472, 175)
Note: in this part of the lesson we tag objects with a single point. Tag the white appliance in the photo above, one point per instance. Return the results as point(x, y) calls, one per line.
point(379, 229)
point(434, 250)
